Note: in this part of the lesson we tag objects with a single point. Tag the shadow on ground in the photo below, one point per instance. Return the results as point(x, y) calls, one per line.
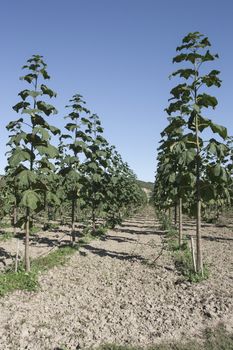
point(112, 254)
point(141, 231)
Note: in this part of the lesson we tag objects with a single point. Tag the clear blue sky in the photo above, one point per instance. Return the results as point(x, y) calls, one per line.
point(117, 54)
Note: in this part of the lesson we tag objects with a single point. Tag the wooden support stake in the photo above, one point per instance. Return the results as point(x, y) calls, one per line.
point(193, 255)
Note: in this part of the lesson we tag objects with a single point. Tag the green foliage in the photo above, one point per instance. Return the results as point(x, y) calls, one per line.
point(31, 153)
point(95, 169)
point(165, 222)
point(31, 148)
point(56, 258)
point(5, 236)
point(11, 281)
point(34, 230)
point(182, 150)
point(124, 194)
point(183, 258)
point(190, 168)
point(5, 225)
point(98, 232)
point(184, 264)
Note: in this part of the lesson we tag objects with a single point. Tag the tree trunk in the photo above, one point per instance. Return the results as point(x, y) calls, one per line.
point(170, 214)
point(218, 212)
point(54, 214)
point(45, 211)
point(73, 221)
point(198, 222)
point(198, 194)
point(15, 218)
point(93, 221)
point(27, 233)
point(180, 222)
point(61, 216)
point(175, 213)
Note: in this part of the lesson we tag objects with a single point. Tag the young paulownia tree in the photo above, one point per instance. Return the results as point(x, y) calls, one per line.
point(73, 148)
point(94, 170)
point(189, 100)
point(31, 150)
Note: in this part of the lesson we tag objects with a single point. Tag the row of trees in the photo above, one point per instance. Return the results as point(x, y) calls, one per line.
point(194, 168)
point(66, 171)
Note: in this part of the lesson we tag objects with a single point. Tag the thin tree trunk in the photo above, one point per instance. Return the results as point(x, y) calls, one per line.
point(198, 194)
point(61, 215)
point(218, 212)
point(93, 221)
point(198, 232)
point(180, 222)
point(17, 256)
point(198, 222)
point(170, 214)
point(54, 214)
point(73, 221)
point(175, 213)
point(15, 218)
point(27, 233)
point(45, 211)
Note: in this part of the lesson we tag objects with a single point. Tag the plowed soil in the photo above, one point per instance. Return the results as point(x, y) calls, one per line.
point(123, 289)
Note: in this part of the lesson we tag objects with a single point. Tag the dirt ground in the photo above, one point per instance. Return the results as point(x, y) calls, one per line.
point(110, 293)
point(41, 243)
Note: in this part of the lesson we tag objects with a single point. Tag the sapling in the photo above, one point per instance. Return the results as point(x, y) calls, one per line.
point(32, 144)
point(189, 99)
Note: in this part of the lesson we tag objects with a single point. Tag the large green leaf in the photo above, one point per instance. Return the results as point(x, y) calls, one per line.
point(184, 73)
point(216, 148)
point(18, 156)
point(224, 176)
point(44, 73)
point(52, 198)
point(54, 130)
point(47, 91)
point(203, 123)
point(15, 123)
point(16, 139)
point(25, 93)
point(175, 124)
point(211, 79)
point(21, 105)
point(216, 170)
point(46, 108)
point(219, 129)
point(187, 156)
point(179, 58)
point(30, 199)
point(207, 191)
point(26, 178)
point(204, 100)
point(29, 77)
point(71, 126)
point(43, 132)
point(209, 57)
point(48, 150)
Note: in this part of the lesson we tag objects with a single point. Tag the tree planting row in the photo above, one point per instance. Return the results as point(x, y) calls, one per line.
point(62, 171)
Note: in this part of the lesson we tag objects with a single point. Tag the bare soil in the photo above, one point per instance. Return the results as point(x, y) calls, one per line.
point(115, 290)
